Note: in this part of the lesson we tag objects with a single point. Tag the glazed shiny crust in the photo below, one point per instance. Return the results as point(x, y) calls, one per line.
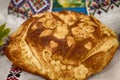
point(62, 45)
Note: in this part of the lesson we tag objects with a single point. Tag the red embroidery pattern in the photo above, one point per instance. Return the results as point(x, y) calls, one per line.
point(14, 73)
point(99, 6)
point(26, 8)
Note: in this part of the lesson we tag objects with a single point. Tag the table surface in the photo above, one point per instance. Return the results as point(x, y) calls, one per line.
point(111, 19)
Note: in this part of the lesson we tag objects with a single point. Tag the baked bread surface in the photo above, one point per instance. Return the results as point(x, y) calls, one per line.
point(62, 45)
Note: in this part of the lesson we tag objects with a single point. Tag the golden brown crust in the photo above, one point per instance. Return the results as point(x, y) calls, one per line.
point(62, 45)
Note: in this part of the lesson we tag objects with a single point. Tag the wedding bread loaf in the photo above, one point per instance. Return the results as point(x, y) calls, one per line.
point(62, 45)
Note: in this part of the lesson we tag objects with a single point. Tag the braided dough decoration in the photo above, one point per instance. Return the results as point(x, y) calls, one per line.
point(62, 45)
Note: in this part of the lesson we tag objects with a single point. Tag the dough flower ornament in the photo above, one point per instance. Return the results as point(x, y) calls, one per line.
point(82, 32)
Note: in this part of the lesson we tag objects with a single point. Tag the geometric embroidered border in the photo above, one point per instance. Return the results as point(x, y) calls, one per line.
point(97, 6)
point(26, 8)
point(38, 7)
point(14, 73)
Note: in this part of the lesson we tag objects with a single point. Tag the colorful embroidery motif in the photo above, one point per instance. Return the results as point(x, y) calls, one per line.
point(97, 6)
point(17, 3)
point(28, 7)
point(39, 5)
point(14, 73)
